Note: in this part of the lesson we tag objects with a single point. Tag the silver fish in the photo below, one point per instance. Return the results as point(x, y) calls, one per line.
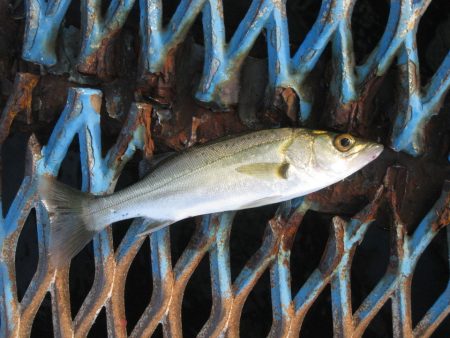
point(247, 171)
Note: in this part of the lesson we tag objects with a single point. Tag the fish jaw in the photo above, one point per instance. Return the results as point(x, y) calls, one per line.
point(370, 154)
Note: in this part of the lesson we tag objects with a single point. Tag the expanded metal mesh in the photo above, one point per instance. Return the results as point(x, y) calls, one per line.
point(350, 87)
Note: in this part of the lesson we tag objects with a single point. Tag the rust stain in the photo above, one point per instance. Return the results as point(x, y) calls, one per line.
point(444, 217)
point(161, 86)
point(18, 101)
point(355, 116)
point(102, 62)
point(284, 107)
point(145, 119)
point(96, 103)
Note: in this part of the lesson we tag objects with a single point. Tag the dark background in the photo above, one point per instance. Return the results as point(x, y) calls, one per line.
point(370, 262)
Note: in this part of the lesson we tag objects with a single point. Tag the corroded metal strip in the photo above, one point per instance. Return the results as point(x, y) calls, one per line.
point(19, 101)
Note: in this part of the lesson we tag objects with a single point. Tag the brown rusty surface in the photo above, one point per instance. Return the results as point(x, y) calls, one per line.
point(161, 87)
point(283, 107)
point(356, 116)
point(334, 249)
point(444, 217)
point(19, 101)
point(102, 63)
point(49, 99)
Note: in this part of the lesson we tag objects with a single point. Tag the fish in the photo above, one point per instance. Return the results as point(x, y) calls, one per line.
point(234, 173)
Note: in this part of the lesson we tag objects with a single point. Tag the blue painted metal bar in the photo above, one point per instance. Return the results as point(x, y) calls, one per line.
point(42, 26)
point(221, 283)
point(220, 77)
point(416, 108)
point(340, 283)
point(158, 41)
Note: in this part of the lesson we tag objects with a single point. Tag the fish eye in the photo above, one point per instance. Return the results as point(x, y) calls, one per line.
point(344, 142)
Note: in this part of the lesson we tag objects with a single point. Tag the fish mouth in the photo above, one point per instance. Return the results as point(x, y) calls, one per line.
point(374, 151)
point(371, 153)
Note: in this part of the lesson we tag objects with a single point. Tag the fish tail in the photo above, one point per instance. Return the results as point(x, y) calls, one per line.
point(72, 224)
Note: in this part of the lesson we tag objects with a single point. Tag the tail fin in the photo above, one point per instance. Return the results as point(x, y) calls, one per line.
point(70, 222)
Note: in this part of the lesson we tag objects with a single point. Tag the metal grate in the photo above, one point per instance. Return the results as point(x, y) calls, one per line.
point(350, 87)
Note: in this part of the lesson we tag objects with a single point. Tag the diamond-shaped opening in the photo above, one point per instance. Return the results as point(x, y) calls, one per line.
point(139, 286)
point(233, 13)
point(133, 21)
point(81, 278)
point(197, 300)
point(196, 31)
point(430, 277)
point(99, 329)
point(318, 321)
point(381, 324)
point(371, 259)
point(433, 38)
point(27, 255)
point(70, 169)
point(301, 17)
point(308, 247)
point(256, 317)
point(119, 229)
point(180, 234)
point(158, 332)
point(382, 110)
point(104, 6)
point(42, 324)
point(247, 235)
point(73, 16)
point(13, 153)
point(168, 9)
point(368, 24)
point(319, 80)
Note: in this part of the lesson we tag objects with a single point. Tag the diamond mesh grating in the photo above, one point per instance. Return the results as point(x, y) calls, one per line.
point(350, 86)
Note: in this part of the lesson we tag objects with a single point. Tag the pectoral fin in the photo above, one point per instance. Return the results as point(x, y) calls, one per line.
point(265, 170)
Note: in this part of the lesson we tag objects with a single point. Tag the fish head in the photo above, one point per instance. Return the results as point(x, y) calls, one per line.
point(340, 155)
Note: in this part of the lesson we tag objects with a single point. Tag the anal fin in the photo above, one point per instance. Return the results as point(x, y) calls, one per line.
point(153, 226)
